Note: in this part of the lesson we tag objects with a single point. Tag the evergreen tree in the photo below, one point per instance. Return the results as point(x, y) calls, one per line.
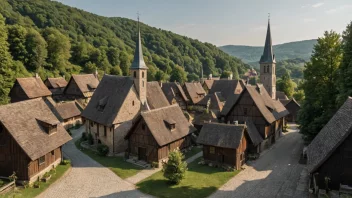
point(345, 70)
point(175, 168)
point(286, 85)
point(320, 85)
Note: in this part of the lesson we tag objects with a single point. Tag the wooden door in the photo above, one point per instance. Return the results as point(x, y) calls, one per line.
point(142, 153)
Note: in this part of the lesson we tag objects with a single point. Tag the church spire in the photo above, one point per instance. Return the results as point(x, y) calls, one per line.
point(268, 54)
point(138, 61)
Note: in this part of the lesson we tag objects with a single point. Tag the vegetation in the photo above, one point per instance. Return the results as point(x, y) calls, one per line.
point(117, 165)
point(52, 39)
point(192, 152)
point(286, 85)
point(200, 181)
point(102, 149)
point(175, 168)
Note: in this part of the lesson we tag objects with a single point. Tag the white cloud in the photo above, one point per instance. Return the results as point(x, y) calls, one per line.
point(331, 11)
point(340, 8)
point(309, 20)
point(317, 5)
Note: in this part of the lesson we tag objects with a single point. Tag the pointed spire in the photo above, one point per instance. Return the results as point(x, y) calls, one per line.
point(268, 54)
point(138, 61)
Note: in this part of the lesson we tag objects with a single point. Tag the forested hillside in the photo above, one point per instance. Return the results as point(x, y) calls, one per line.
point(53, 39)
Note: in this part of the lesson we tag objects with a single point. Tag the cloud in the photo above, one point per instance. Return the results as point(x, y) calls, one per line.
point(309, 20)
point(331, 11)
point(340, 8)
point(317, 5)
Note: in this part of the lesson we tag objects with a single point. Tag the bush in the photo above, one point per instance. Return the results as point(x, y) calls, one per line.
point(84, 136)
point(90, 139)
point(36, 184)
point(1, 183)
point(155, 164)
point(175, 168)
point(103, 150)
point(25, 184)
point(65, 162)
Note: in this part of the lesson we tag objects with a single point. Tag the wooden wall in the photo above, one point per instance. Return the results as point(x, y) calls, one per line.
point(73, 89)
point(34, 167)
point(17, 94)
point(293, 108)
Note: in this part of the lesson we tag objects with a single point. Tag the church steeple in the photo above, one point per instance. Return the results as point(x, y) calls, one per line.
point(138, 61)
point(268, 54)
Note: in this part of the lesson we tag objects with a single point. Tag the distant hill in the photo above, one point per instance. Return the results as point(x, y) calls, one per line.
point(292, 50)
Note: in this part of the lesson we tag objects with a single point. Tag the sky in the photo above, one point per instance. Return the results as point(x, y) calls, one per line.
point(231, 22)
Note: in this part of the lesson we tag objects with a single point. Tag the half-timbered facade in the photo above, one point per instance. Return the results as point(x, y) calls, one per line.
point(175, 94)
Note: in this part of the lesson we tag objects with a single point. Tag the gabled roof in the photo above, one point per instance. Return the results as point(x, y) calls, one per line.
point(253, 133)
point(85, 82)
point(68, 110)
point(226, 87)
point(330, 137)
point(268, 54)
point(230, 102)
point(138, 60)
point(208, 83)
point(172, 88)
point(221, 135)
point(195, 90)
point(281, 95)
point(155, 120)
point(54, 83)
point(34, 87)
point(22, 119)
point(112, 90)
point(155, 96)
point(286, 102)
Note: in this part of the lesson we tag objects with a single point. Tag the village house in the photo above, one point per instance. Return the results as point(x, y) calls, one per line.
point(28, 88)
point(330, 153)
point(56, 86)
point(195, 92)
point(175, 94)
point(68, 113)
point(81, 87)
point(226, 88)
point(157, 132)
point(118, 100)
point(31, 138)
point(224, 144)
point(293, 108)
point(251, 73)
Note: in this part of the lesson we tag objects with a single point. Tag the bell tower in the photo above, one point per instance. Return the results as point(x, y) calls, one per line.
point(268, 66)
point(138, 70)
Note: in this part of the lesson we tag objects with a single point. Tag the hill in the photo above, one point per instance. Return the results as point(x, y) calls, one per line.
point(292, 50)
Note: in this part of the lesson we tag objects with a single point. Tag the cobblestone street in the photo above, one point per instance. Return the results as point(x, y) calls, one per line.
point(275, 174)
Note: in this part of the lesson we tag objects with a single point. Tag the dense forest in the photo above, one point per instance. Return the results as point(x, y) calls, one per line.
point(52, 39)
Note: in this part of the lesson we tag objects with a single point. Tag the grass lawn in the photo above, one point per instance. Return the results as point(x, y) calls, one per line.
point(193, 151)
point(120, 167)
point(33, 192)
point(200, 181)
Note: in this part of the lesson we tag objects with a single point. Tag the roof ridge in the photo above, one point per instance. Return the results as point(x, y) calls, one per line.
point(158, 109)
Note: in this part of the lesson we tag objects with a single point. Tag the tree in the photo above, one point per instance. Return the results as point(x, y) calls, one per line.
point(178, 74)
point(226, 74)
point(116, 71)
point(16, 39)
point(36, 50)
point(345, 70)
point(299, 95)
point(161, 76)
point(319, 85)
point(175, 168)
point(286, 85)
point(192, 77)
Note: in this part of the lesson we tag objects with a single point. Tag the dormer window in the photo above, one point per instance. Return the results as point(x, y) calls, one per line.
point(102, 103)
point(49, 126)
point(91, 87)
point(170, 124)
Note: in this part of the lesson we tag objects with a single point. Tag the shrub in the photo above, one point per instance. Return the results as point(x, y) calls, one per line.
point(25, 184)
point(13, 177)
point(175, 168)
point(46, 175)
point(102, 149)
point(1, 183)
point(65, 162)
point(36, 184)
point(90, 139)
point(84, 136)
point(155, 164)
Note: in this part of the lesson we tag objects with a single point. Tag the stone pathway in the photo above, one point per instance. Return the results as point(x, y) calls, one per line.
point(148, 172)
point(276, 173)
point(88, 178)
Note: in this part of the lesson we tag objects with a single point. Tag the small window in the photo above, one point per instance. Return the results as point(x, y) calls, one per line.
point(142, 74)
point(133, 103)
point(42, 160)
point(172, 126)
point(53, 153)
point(245, 111)
point(135, 74)
point(212, 150)
point(105, 131)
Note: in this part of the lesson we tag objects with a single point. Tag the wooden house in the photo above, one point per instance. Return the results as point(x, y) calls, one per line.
point(31, 138)
point(28, 88)
point(330, 153)
point(69, 114)
point(157, 132)
point(293, 107)
point(155, 96)
point(281, 95)
point(227, 87)
point(254, 103)
point(56, 86)
point(207, 84)
point(175, 94)
point(195, 92)
point(224, 144)
point(81, 87)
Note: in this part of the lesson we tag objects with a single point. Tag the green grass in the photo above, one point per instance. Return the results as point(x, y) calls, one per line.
point(193, 151)
point(117, 165)
point(200, 181)
point(33, 192)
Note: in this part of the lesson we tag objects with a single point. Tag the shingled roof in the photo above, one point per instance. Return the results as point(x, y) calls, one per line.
point(230, 102)
point(268, 54)
point(22, 119)
point(195, 91)
point(155, 120)
point(68, 110)
point(110, 94)
point(253, 133)
point(221, 135)
point(155, 96)
point(170, 89)
point(34, 87)
point(330, 137)
point(226, 87)
point(54, 83)
point(281, 95)
point(85, 82)
point(208, 83)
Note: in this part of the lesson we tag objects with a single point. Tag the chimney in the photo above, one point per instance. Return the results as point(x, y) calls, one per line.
point(63, 76)
point(210, 76)
point(235, 123)
point(231, 76)
point(96, 73)
point(36, 75)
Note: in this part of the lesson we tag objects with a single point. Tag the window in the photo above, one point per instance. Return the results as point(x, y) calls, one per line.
point(245, 111)
point(53, 153)
point(42, 160)
point(135, 74)
point(172, 126)
point(133, 103)
point(142, 74)
point(212, 150)
point(105, 131)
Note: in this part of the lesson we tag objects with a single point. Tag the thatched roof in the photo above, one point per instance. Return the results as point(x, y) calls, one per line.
point(155, 120)
point(195, 91)
point(221, 135)
point(170, 90)
point(54, 83)
point(68, 110)
point(155, 96)
point(208, 83)
point(330, 137)
point(226, 87)
point(22, 121)
point(253, 133)
point(85, 82)
point(34, 87)
point(281, 95)
point(107, 100)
